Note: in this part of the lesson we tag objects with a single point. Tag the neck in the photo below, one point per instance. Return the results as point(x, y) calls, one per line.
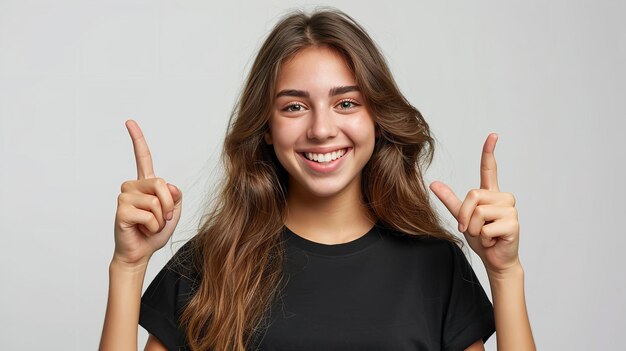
point(335, 219)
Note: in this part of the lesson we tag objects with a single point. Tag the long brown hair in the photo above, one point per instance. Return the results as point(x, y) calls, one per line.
point(238, 251)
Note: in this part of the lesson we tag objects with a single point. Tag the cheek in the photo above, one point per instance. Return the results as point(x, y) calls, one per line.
point(363, 130)
point(364, 134)
point(282, 151)
point(283, 141)
point(281, 136)
point(286, 132)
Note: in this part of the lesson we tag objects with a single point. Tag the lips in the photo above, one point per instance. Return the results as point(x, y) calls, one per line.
point(325, 157)
point(326, 166)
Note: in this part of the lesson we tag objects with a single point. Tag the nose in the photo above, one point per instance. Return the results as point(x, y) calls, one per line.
point(322, 126)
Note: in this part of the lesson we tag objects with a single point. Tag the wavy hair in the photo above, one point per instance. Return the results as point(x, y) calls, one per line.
point(238, 251)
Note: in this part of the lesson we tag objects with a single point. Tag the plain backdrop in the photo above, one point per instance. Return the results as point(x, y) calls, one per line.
point(548, 76)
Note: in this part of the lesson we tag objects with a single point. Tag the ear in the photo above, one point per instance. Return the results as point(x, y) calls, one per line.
point(268, 138)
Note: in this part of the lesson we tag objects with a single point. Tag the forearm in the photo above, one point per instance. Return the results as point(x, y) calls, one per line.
point(122, 313)
point(512, 325)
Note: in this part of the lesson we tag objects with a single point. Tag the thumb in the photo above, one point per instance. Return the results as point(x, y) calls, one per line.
point(447, 197)
point(177, 195)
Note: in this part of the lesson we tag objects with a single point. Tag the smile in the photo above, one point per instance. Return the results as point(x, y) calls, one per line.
point(324, 158)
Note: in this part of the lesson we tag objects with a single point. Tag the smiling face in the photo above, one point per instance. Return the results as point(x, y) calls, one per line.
point(321, 131)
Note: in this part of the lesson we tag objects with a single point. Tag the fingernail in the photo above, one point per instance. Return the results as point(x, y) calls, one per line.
point(169, 215)
point(461, 227)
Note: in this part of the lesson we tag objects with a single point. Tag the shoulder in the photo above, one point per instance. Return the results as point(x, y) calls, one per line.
point(183, 261)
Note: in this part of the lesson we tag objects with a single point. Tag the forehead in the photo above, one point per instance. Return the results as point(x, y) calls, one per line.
point(315, 67)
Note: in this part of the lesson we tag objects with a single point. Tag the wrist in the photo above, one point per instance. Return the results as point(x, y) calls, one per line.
point(514, 271)
point(120, 265)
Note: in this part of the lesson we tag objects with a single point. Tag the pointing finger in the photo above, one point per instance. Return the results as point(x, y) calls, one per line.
point(142, 152)
point(447, 196)
point(488, 167)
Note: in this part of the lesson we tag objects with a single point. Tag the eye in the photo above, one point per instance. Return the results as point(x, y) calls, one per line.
point(347, 104)
point(293, 107)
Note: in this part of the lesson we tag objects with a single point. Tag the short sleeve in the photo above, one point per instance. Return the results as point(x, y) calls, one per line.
point(469, 313)
point(164, 299)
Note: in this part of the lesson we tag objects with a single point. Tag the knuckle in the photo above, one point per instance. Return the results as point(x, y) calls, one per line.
point(487, 231)
point(511, 198)
point(154, 201)
point(150, 223)
point(473, 194)
point(484, 232)
point(121, 198)
point(126, 186)
point(471, 231)
point(121, 211)
point(160, 182)
point(479, 211)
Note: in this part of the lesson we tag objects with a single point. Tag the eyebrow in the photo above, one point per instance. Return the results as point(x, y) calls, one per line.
point(332, 92)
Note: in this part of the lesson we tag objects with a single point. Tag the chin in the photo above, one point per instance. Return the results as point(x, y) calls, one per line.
point(326, 193)
point(326, 189)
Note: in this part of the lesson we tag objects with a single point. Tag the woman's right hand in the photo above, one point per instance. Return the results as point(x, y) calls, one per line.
point(148, 209)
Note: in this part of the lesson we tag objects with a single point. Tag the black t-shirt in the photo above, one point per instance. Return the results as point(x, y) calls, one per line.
point(382, 291)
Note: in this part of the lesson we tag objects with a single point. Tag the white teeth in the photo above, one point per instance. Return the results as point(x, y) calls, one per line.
point(323, 158)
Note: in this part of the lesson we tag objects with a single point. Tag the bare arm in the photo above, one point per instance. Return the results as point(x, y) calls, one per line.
point(513, 330)
point(476, 346)
point(122, 314)
point(509, 302)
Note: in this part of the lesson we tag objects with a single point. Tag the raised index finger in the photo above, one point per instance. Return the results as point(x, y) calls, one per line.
point(488, 167)
point(142, 152)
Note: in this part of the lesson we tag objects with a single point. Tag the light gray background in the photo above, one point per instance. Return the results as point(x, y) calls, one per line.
point(548, 76)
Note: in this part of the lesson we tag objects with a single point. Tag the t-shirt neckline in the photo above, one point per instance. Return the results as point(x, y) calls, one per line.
point(370, 237)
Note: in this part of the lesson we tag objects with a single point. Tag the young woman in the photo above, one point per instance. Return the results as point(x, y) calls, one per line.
point(323, 236)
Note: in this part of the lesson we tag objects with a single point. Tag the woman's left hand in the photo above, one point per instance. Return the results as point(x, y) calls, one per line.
point(487, 217)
